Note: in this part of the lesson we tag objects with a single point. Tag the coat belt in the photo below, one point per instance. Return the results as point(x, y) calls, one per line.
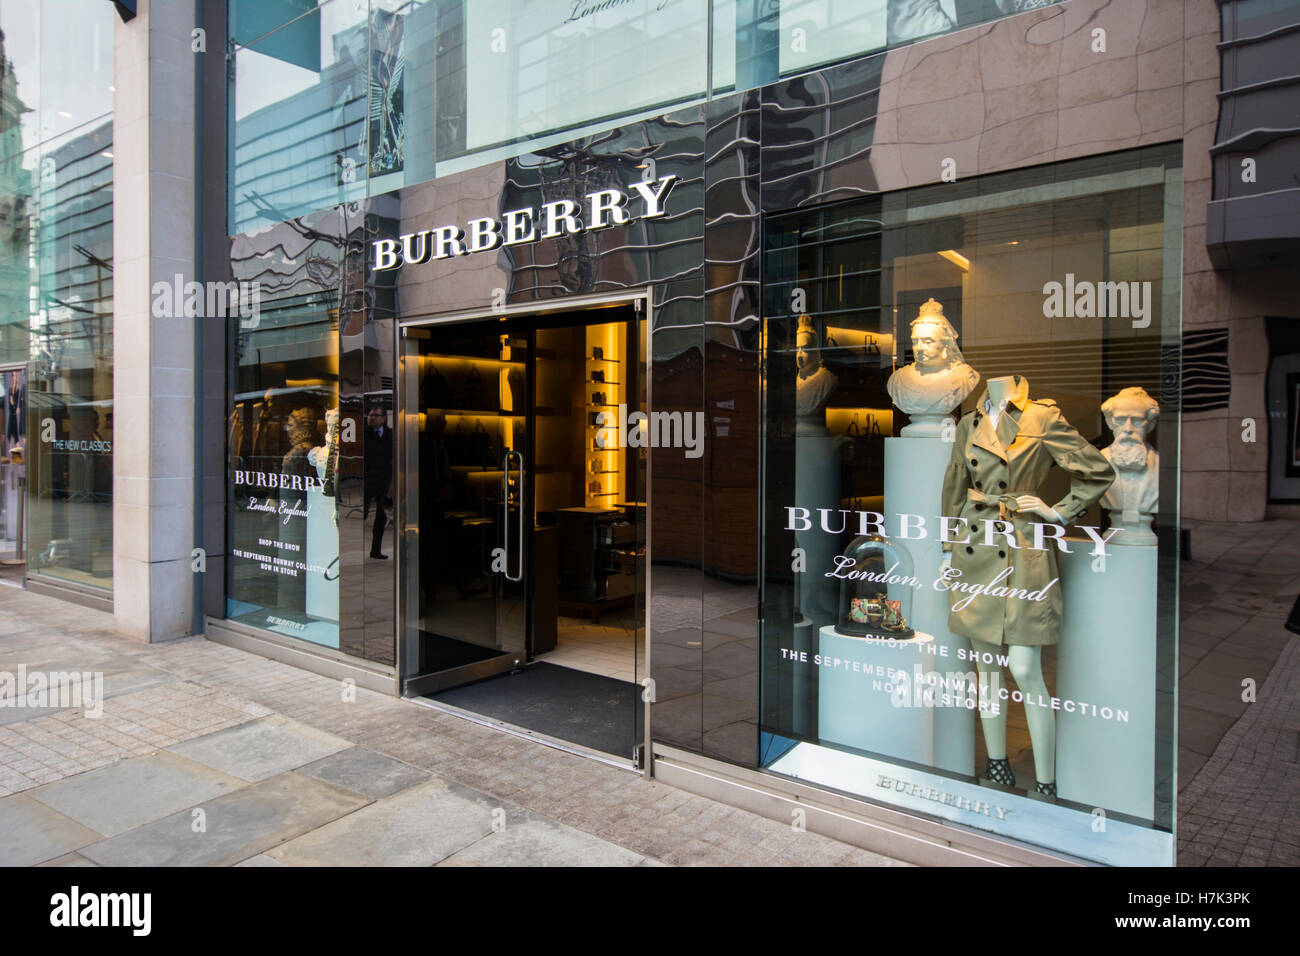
point(1006, 501)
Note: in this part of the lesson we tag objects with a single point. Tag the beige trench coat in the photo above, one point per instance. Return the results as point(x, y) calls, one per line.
point(988, 470)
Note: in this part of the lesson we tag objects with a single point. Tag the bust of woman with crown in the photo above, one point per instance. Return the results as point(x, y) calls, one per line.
point(815, 381)
point(938, 380)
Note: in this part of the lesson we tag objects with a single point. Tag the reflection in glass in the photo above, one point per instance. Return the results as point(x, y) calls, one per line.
point(70, 480)
point(299, 126)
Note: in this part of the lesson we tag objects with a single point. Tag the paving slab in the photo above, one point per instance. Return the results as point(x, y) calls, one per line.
point(365, 772)
point(237, 825)
point(133, 792)
point(32, 833)
point(532, 840)
point(260, 749)
point(417, 827)
point(132, 679)
point(71, 859)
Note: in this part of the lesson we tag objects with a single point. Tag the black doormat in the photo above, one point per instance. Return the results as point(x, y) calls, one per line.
point(587, 709)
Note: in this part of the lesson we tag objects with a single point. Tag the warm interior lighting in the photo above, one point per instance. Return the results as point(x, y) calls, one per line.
point(956, 258)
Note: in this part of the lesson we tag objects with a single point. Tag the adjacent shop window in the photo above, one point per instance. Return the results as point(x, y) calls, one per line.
point(290, 479)
point(970, 508)
point(56, 283)
point(70, 385)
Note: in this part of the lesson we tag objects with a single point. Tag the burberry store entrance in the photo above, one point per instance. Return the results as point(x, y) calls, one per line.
point(522, 521)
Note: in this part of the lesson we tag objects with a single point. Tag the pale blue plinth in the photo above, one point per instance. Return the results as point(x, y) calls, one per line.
point(1107, 658)
point(861, 705)
point(322, 551)
point(914, 470)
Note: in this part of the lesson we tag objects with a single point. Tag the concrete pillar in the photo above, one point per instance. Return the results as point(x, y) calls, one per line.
point(153, 357)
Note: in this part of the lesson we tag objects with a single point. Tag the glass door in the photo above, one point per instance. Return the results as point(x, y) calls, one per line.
point(464, 535)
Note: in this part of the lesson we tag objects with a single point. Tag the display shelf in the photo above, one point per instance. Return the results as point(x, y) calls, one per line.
point(471, 413)
point(449, 358)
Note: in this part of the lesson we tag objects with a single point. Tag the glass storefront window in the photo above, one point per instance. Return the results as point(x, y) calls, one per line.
point(298, 117)
point(343, 99)
point(56, 275)
point(970, 501)
point(290, 480)
point(70, 388)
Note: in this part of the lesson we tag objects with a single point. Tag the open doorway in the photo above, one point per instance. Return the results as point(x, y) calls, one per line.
point(523, 522)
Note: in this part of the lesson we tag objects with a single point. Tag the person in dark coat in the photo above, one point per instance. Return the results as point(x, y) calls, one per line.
point(378, 463)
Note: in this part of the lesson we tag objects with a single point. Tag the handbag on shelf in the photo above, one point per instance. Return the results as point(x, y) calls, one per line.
point(481, 442)
point(473, 387)
point(437, 393)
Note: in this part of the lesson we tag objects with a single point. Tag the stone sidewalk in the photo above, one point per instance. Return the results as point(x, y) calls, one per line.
point(207, 755)
point(1239, 759)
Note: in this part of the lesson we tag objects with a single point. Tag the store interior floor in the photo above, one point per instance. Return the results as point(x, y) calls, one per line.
point(608, 647)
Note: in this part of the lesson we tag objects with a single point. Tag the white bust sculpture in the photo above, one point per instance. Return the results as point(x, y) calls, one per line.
point(319, 456)
point(814, 384)
point(938, 381)
point(1134, 496)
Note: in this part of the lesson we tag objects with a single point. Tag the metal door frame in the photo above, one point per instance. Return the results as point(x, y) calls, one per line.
point(23, 367)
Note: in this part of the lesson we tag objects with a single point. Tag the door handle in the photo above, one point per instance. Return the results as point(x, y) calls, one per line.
point(505, 516)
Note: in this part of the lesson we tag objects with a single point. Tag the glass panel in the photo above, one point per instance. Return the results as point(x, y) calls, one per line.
point(291, 479)
point(76, 65)
point(21, 79)
point(981, 517)
point(299, 130)
point(464, 419)
point(506, 71)
point(70, 481)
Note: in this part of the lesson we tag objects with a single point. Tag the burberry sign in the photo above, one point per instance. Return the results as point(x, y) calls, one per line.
point(599, 210)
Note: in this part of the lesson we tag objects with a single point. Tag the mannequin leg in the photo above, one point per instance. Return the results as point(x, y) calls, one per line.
point(1026, 664)
point(994, 724)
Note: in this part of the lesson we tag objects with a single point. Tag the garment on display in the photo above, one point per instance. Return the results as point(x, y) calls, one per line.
point(1001, 456)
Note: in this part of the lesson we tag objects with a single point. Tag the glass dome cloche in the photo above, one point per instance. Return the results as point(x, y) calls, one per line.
point(876, 583)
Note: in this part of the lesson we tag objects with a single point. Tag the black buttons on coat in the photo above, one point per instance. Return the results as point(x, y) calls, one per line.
point(975, 462)
point(1002, 554)
point(1002, 484)
point(978, 485)
point(969, 549)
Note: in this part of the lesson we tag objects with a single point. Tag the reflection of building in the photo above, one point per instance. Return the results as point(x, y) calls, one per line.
point(976, 159)
point(56, 289)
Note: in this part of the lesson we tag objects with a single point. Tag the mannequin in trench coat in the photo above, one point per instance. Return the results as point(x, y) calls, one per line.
point(990, 469)
point(1002, 453)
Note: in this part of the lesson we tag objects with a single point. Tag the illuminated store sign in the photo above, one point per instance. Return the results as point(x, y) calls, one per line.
point(600, 210)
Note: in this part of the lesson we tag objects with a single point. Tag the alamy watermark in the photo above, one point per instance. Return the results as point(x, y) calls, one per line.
point(1085, 299)
point(653, 430)
point(198, 300)
point(55, 689)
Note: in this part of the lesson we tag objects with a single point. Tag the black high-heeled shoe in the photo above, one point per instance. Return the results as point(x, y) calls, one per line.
point(999, 771)
point(1046, 789)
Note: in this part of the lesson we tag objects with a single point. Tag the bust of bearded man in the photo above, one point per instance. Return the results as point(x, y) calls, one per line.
point(1134, 496)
